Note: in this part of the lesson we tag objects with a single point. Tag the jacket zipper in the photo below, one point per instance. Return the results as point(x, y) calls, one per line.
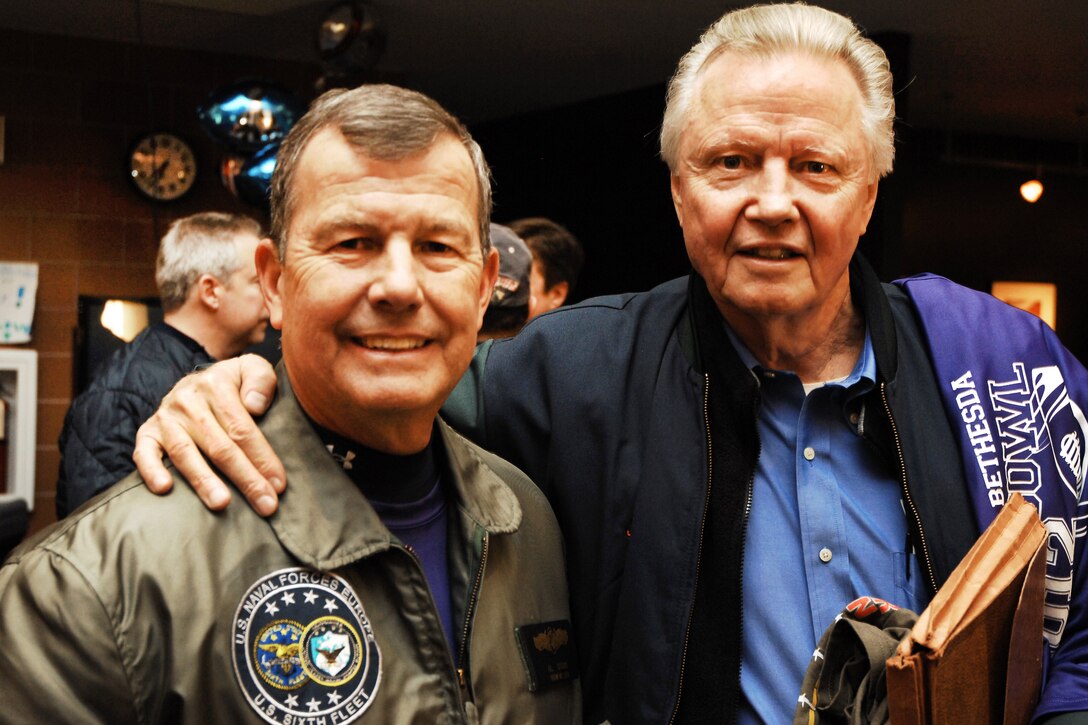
point(744, 539)
point(407, 548)
point(917, 519)
point(462, 658)
point(702, 530)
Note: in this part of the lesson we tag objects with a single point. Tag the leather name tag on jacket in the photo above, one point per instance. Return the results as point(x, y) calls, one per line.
point(547, 651)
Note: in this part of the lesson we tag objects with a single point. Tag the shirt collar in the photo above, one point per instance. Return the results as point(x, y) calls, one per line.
point(325, 520)
point(864, 367)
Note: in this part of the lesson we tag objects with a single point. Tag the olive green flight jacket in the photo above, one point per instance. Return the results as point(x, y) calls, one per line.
point(142, 608)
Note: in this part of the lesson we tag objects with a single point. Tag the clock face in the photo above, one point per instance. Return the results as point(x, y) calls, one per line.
point(162, 166)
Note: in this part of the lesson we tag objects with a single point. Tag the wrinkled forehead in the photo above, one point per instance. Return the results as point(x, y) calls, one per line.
point(753, 87)
point(340, 186)
point(803, 66)
point(333, 157)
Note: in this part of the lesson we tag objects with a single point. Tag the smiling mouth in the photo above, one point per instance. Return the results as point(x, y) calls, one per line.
point(395, 344)
point(769, 253)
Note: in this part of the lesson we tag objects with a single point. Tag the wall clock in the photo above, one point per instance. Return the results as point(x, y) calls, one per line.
point(162, 166)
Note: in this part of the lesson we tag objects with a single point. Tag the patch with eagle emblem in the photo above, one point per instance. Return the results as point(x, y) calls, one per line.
point(304, 650)
point(547, 651)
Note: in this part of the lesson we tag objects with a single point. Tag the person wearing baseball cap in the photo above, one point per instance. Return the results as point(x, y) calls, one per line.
point(508, 310)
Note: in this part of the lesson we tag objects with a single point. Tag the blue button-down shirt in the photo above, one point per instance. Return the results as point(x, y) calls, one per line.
point(826, 526)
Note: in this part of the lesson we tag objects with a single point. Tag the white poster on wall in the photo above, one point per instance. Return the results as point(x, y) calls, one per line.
point(18, 290)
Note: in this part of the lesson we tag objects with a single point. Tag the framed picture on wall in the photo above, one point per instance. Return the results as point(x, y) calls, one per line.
point(1038, 298)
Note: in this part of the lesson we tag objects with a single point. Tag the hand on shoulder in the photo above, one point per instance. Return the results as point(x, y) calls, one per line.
point(212, 411)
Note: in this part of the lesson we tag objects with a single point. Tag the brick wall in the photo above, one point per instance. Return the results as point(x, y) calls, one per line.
point(73, 109)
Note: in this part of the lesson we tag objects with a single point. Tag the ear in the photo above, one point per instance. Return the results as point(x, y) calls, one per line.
point(270, 275)
point(488, 276)
point(677, 197)
point(555, 295)
point(208, 289)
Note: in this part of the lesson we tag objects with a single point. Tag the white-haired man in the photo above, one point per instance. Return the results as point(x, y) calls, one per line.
point(736, 456)
point(212, 310)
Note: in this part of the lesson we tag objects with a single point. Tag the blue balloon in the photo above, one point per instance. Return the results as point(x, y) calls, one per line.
point(254, 180)
point(247, 115)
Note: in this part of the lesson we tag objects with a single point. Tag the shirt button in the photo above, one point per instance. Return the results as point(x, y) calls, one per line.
point(825, 555)
point(810, 453)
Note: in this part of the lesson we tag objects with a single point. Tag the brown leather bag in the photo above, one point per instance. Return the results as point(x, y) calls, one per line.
point(975, 654)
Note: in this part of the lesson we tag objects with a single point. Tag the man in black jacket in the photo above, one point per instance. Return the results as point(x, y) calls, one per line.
point(212, 310)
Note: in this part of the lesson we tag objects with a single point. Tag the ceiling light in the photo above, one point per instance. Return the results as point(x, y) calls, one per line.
point(1031, 190)
point(349, 36)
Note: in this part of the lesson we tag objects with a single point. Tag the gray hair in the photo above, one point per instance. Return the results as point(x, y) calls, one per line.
point(383, 122)
point(196, 245)
point(768, 30)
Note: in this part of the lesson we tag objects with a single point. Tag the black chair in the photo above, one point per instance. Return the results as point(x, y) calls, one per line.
point(14, 519)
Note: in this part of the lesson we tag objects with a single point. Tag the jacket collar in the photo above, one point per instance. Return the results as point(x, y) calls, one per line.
point(325, 521)
point(866, 291)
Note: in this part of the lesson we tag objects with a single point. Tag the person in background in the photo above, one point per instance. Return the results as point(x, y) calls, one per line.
point(736, 455)
point(511, 299)
point(557, 262)
point(410, 576)
point(212, 310)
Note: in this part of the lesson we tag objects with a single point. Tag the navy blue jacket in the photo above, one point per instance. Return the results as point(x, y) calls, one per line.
point(606, 405)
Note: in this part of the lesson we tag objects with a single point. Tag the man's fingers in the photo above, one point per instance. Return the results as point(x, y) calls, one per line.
point(159, 434)
point(187, 459)
point(258, 383)
point(247, 459)
point(205, 412)
point(148, 458)
point(231, 444)
point(147, 455)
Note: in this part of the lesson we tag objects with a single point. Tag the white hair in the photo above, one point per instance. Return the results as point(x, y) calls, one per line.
point(769, 30)
point(196, 245)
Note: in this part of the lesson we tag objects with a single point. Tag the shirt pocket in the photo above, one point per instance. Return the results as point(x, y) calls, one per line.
point(909, 582)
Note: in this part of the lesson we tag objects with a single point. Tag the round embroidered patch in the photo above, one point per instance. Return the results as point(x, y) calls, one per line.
point(276, 654)
point(331, 651)
point(303, 648)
